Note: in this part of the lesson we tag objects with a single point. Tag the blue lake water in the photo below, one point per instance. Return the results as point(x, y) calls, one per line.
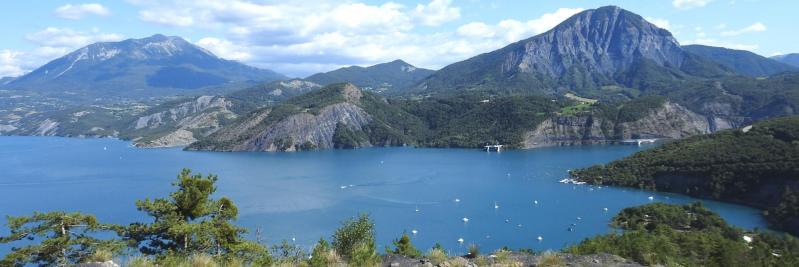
point(300, 195)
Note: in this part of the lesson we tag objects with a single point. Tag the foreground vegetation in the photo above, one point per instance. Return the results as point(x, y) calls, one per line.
point(689, 235)
point(756, 166)
point(191, 228)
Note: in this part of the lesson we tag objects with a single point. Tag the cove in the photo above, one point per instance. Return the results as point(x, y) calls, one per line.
point(303, 196)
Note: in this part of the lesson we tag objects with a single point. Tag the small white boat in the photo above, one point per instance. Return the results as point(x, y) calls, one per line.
point(414, 232)
point(457, 200)
point(496, 206)
point(540, 238)
point(465, 219)
point(651, 198)
point(460, 240)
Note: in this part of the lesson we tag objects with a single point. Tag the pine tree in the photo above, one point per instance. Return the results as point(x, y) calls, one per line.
point(63, 239)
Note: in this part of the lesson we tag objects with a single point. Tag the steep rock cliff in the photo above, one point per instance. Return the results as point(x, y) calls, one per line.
point(670, 121)
point(334, 116)
point(176, 124)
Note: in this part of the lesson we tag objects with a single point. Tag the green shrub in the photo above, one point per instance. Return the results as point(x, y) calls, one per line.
point(364, 255)
point(437, 256)
point(100, 255)
point(549, 258)
point(323, 255)
point(474, 250)
point(502, 255)
point(353, 233)
point(404, 247)
point(288, 252)
point(140, 261)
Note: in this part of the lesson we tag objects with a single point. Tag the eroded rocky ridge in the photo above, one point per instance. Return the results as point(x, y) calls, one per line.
point(305, 129)
point(671, 121)
point(177, 125)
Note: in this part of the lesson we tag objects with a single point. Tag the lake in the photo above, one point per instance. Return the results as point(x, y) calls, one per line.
point(305, 195)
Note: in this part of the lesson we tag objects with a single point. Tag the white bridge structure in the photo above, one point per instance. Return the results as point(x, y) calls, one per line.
point(498, 148)
point(638, 141)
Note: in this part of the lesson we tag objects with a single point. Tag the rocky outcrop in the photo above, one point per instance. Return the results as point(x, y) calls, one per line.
point(593, 48)
point(182, 113)
point(671, 121)
point(603, 40)
point(177, 125)
point(515, 259)
point(301, 129)
point(307, 130)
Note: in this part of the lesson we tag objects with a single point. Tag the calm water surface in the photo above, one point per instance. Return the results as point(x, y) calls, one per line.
point(305, 195)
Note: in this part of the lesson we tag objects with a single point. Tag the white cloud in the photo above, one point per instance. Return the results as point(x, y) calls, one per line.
point(166, 17)
point(302, 37)
point(661, 23)
point(757, 27)
point(10, 63)
point(69, 38)
point(78, 11)
point(436, 13)
point(476, 29)
point(513, 30)
point(688, 4)
point(225, 49)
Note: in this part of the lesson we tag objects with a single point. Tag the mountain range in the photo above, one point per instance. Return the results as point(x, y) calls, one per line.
point(741, 61)
point(608, 46)
point(790, 59)
point(153, 64)
point(393, 76)
point(602, 75)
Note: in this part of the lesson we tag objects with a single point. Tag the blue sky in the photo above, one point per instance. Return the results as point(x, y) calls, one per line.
point(303, 37)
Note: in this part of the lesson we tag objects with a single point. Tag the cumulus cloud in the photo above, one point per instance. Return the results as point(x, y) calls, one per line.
point(436, 13)
point(303, 37)
point(313, 35)
point(757, 27)
point(79, 11)
point(10, 63)
point(69, 38)
point(476, 29)
point(661, 23)
point(225, 49)
point(513, 30)
point(688, 4)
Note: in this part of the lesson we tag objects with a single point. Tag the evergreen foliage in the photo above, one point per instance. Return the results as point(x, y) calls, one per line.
point(55, 238)
point(191, 222)
point(688, 235)
point(759, 167)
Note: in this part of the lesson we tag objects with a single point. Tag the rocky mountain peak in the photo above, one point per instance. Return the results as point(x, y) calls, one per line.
point(603, 40)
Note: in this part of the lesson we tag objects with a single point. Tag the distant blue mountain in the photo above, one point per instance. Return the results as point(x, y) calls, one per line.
point(151, 63)
point(740, 61)
point(389, 76)
point(790, 59)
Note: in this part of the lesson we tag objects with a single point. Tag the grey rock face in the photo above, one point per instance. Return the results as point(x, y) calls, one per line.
point(306, 128)
point(181, 114)
point(301, 129)
point(603, 40)
point(177, 125)
point(671, 121)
